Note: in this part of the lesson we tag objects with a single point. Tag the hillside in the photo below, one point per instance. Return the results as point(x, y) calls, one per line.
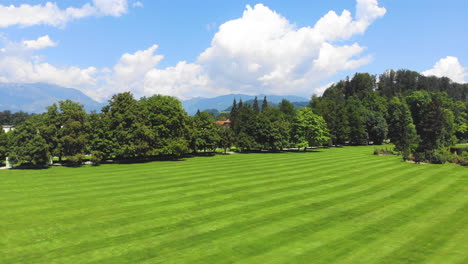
point(35, 97)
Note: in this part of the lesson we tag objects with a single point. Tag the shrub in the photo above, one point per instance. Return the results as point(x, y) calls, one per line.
point(75, 160)
point(383, 151)
point(459, 150)
point(97, 157)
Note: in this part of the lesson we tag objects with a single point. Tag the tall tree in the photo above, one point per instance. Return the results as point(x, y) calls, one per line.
point(72, 135)
point(401, 130)
point(125, 122)
point(287, 108)
point(3, 145)
point(264, 104)
point(27, 144)
point(309, 129)
point(226, 138)
point(255, 105)
point(357, 126)
point(205, 133)
point(164, 125)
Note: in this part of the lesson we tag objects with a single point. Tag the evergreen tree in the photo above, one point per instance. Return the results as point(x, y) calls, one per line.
point(357, 129)
point(401, 130)
point(255, 106)
point(264, 104)
point(287, 108)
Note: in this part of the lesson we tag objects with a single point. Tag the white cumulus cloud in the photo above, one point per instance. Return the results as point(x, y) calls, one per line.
point(40, 43)
point(264, 52)
point(26, 15)
point(448, 67)
point(260, 52)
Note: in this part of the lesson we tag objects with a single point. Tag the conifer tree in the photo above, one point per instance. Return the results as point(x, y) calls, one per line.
point(264, 104)
point(255, 106)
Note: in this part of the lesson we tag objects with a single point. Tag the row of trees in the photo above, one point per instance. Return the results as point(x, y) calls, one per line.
point(420, 115)
point(276, 128)
point(155, 126)
point(412, 111)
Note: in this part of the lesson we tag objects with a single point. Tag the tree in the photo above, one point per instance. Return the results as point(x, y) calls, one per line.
point(434, 123)
point(287, 108)
point(309, 129)
point(376, 127)
point(401, 130)
point(27, 144)
point(164, 125)
point(255, 106)
point(124, 117)
point(72, 135)
point(101, 143)
point(273, 129)
point(355, 116)
point(50, 130)
point(3, 144)
point(360, 86)
point(264, 104)
point(226, 137)
point(205, 133)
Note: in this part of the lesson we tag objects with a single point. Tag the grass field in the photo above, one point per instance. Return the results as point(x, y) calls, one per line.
point(332, 206)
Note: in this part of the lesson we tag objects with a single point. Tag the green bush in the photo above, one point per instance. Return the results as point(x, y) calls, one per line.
point(75, 160)
point(96, 157)
point(459, 150)
point(383, 151)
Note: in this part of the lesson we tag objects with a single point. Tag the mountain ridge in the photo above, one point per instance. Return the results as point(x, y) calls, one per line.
point(223, 102)
point(35, 97)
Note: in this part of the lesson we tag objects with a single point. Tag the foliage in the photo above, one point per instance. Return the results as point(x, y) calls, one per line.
point(28, 147)
point(309, 129)
point(384, 151)
point(401, 129)
point(204, 132)
point(3, 145)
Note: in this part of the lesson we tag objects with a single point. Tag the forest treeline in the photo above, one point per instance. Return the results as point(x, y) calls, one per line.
point(422, 116)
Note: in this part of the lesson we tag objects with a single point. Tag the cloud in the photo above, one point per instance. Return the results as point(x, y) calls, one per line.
point(448, 67)
point(137, 4)
point(19, 63)
point(16, 69)
point(263, 52)
point(50, 14)
point(260, 52)
point(40, 43)
point(111, 7)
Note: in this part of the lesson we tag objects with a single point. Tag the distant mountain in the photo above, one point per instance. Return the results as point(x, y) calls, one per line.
point(35, 97)
point(221, 103)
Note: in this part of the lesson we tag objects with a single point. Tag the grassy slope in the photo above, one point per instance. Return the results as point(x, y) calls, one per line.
point(333, 206)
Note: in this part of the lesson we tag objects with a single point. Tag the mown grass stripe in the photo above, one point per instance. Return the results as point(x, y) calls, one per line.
point(228, 230)
point(147, 233)
point(170, 180)
point(329, 253)
point(277, 201)
point(428, 242)
point(188, 211)
point(236, 180)
point(282, 237)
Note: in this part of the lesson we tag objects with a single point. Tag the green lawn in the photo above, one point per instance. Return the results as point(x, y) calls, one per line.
point(339, 205)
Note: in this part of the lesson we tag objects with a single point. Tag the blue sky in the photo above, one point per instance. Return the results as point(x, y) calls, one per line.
point(109, 46)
